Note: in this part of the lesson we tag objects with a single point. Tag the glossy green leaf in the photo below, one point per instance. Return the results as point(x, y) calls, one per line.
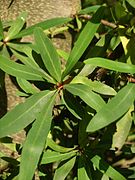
point(86, 70)
point(112, 65)
point(23, 114)
point(114, 109)
point(44, 25)
point(122, 130)
point(53, 145)
point(29, 62)
point(62, 171)
point(16, 26)
point(1, 31)
point(27, 86)
point(48, 53)
point(72, 105)
point(82, 173)
point(87, 95)
point(52, 156)
point(106, 168)
point(19, 70)
point(95, 85)
point(35, 141)
point(83, 41)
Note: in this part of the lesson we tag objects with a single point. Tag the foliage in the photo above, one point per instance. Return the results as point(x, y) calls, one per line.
point(75, 115)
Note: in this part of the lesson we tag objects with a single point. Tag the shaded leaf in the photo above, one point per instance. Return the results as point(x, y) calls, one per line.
point(1, 31)
point(84, 40)
point(87, 95)
point(24, 113)
point(82, 173)
point(114, 109)
point(44, 25)
point(72, 105)
point(48, 53)
point(106, 168)
point(53, 145)
point(90, 9)
point(35, 141)
point(112, 65)
point(62, 171)
point(52, 156)
point(19, 70)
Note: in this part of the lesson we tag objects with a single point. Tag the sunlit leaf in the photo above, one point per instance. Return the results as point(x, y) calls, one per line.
point(23, 114)
point(83, 41)
point(114, 109)
point(35, 141)
point(112, 65)
point(122, 130)
point(19, 70)
point(87, 95)
point(52, 156)
point(44, 25)
point(48, 53)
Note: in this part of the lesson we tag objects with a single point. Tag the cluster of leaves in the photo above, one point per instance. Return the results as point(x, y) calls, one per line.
point(73, 115)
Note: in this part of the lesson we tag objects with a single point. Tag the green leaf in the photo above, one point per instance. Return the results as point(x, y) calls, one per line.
point(94, 85)
point(16, 26)
point(90, 9)
point(62, 172)
point(48, 53)
point(82, 173)
point(72, 105)
point(84, 40)
point(52, 156)
point(87, 95)
point(27, 86)
point(106, 168)
point(86, 70)
point(114, 109)
point(63, 54)
point(24, 113)
point(35, 141)
point(122, 130)
point(44, 25)
point(1, 31)
point(30, 62)
point(53, 145)
point(112, 65)
point(131, 2)
point(19, 70)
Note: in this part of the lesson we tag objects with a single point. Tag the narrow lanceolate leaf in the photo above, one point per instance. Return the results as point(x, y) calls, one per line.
point(27, 86)
point(48, 53)
point(72, 105)
point(122, 130)
point(19, 70)
point(53, 145)
point(83, 41)
point(35, 141)
point(44, 25)
point(1, 31)
point(23, 114)
point(87, 95)
point(62, 172)
point(82, 173)
point(114, 109)
point(52, 156)
point(112, 65)
point(106, 168)
point(95, 85)
point(16, 26)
